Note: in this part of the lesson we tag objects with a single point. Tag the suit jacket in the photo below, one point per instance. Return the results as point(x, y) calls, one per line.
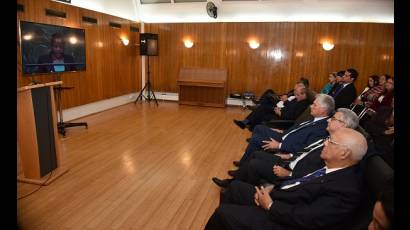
point(296, 141)
point(310, 163)
point(322, 203)
point(293, 109)
point(326, 202)
point(334, 89)
point(345, 97)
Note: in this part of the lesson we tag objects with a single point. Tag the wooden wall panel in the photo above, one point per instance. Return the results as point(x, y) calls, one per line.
point(112, 69)
point(368, 47)
point(173, 55)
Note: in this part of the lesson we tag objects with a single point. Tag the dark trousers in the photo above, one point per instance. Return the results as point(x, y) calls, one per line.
point(261, 114)
point(239, 211)
point(259, 168)
point(259, 134)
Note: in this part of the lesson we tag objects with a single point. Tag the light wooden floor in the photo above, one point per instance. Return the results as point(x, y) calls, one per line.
point(139, 167)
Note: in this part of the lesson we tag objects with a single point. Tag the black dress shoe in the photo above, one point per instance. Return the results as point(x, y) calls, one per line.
point(239, 123)
point(236, 163)
point(232, 173)
point(221, 183)
point(255, 101)
point(251, 107)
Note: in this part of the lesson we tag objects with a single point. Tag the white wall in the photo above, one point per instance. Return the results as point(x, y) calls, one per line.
point(121, 8)
point(380, 11)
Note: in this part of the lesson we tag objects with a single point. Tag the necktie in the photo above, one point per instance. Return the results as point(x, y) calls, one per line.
point(339, 90)
point(315, 174)
point(301, 125)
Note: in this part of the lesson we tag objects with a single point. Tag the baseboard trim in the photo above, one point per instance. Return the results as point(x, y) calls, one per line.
point(99, 106)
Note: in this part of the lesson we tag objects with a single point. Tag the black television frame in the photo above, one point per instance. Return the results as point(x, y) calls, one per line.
point(49, 73)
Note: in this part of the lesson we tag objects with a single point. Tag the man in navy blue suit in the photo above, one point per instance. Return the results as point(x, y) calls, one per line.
point(296, 137)
point(272, 168)
point(324, 199)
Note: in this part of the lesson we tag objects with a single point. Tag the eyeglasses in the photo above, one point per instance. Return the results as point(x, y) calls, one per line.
point(335, 143)
point(333, 118)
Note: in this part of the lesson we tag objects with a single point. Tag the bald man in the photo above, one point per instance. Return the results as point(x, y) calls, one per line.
point(323, 199)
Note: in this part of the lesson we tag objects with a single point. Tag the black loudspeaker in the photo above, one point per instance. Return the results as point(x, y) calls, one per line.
point(149, 44)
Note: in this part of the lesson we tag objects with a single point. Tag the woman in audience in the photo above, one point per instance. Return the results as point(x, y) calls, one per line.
point(381, 129)
point(383, 78)
point(385, 99)
point(369, 94)
point(332, 80)
point(372, 90)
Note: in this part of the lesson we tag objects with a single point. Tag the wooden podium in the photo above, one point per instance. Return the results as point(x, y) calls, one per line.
point(38, 142)
point(203, 87)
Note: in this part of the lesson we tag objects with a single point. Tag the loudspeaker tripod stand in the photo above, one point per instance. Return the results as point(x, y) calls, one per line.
point(148, 88)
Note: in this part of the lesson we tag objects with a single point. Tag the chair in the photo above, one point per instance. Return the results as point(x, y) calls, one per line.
point(376, 173)
point(362, 110)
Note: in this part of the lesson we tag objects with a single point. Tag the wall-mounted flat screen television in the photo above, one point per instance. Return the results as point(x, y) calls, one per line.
point(51, 48)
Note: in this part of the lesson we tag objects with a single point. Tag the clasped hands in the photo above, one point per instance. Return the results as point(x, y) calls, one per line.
point(280, 171)
point(262, 197)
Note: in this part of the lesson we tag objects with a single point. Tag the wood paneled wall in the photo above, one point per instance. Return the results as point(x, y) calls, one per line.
point(367, 47)
point(112, 69)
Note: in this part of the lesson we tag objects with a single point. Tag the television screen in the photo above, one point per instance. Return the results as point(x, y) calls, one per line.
point(50, 48)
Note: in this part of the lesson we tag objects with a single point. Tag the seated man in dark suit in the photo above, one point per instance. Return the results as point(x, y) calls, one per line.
point(345, 94)
point(291, 111)
point(324, 199)
point(296, 137)
point(272, 168)
point(269, 98)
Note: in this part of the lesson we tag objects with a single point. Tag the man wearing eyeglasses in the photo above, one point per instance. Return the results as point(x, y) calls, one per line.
point(264, 167)
point(324, 199)
point(296, 137)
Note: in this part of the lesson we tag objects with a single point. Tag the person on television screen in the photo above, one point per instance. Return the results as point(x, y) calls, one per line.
point(57, 60)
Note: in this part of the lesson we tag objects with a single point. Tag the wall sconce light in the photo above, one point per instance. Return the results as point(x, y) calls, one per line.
point(125, 41)
point(328, 46)
point(276, 54)
point(385, 57)
point(253, 44)
point(188, 43)
point(299, 54)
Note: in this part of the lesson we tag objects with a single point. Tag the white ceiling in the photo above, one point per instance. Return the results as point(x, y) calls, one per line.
point(378, 11)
